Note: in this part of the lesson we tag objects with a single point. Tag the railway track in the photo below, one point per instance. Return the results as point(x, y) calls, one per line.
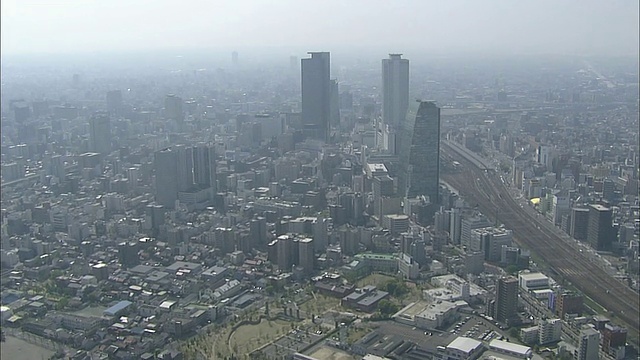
point(486, 189)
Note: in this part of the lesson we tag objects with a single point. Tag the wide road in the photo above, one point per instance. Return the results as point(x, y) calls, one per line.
point(538, 235)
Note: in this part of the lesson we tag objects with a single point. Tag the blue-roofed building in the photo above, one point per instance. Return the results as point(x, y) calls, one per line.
point(117, 309)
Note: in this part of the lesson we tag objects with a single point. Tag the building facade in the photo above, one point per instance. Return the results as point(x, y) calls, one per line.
point(316, 95)
point(100, 133)
point(506, 299)
point(420, 153)
point(395, 89)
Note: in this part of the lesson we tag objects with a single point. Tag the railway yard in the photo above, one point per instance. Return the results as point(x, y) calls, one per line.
point(492, 197)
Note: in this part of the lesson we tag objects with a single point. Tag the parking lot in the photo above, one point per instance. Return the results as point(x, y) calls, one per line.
point(473, 326)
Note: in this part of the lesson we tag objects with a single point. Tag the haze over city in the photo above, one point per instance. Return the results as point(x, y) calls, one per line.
point(432, 27)
point(311, 180)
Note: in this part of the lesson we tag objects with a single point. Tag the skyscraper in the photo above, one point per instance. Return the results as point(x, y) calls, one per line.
point(420, 152)
point(58, 168)
point(258, 231)
point(320, 237)
point(100, 133)
point(382, 187)
point(184, 173)
point(316, 94)
point(506, 299)
point(204, 166)
point(165, 163)
point(395, 89)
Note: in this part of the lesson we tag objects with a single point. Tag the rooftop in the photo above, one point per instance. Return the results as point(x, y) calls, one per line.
point(112, 311)
point(510, 347)
point(464, 344)
point(533, 276)
point(600, 207)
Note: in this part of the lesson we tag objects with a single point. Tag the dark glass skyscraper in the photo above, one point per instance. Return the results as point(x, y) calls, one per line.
point(316, 95)
point(420, 152)
point(600, 231)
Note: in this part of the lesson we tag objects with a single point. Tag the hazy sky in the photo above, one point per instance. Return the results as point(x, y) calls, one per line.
point(519, 26)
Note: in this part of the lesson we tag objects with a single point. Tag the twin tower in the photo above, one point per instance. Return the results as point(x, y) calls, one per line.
point(410, 131)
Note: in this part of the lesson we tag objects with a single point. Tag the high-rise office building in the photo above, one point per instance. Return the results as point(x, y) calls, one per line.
point(506, 299)
point(306, 255)
point(420, 152)
point(258, 231)
point(58, 168)
point(490, 241)
point(100, 133)
point(165, 163)
point(608, 189)
point(114, 102)
point(468, 224)
point(395, 89)
point(154, 214)
point(600, 230)
point(285, 249)
point(204, 166)
point(316, 95)
point(173, 108)
point(455, 226)
point(579, 223)
point(320, 234)
point(382, 187)
point(184, 174)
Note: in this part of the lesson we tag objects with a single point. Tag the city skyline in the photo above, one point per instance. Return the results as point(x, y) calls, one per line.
point(269, 180)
